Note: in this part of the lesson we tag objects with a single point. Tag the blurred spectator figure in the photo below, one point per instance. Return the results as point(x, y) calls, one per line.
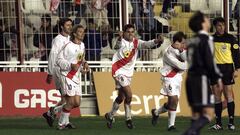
point(113, 14)
point(2, 54)
point(29, 31)
point(80, 7)
point(43, 38)
point(93, 42)
point(2, 46)
point(65, 8)
point(143, 8)
point(107, 34)
point(10, 44)
point(236, 10)
point(54, 5)
point(168, 9)
point(99, 11)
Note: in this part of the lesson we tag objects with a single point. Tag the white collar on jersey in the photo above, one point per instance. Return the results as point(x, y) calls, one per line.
point(203, 32)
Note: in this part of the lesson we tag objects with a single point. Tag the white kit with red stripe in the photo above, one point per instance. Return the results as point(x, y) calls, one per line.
point(57, 44)
point(124, 59)
point(71, 54)
point(174, 62)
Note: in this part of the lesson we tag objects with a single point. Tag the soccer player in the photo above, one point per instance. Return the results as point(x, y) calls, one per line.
point(174, 64)
point(122, 70)
point(228, 61)
point(72, 63)
point(65, 25)
point(202, 69)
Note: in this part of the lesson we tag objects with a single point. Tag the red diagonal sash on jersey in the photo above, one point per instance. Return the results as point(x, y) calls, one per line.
point(122, 62)
point(172, 73)
point(73, 72)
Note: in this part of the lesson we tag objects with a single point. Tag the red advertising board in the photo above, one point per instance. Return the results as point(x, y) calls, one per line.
point(27, 94)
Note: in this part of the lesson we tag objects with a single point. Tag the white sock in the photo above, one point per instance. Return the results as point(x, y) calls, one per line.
point(64, 118)
point(160, 110)
point(115, 107)
point(58, 109)
point(171, 118)
point(127, 111)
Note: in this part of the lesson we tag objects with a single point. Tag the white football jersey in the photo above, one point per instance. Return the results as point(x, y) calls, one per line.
point(57, 44)
point(174, 62)
point(71, 54)
point(124, 59)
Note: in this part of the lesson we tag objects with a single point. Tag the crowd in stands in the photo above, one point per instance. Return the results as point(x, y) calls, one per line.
point(101, 20)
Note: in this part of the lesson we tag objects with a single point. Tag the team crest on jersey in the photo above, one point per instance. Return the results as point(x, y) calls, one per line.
point(235, 46)
point(126, 54)
point(80, 56)
point(224, 48)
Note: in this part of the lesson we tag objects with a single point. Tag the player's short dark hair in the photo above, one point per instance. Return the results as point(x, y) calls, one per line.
point(179, 36)
point(74, 30)
point(128, 26)
point(218, 19)
point(63, 21)
point(195, 22)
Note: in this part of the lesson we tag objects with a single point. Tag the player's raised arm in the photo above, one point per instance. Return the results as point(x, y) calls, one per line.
point(151, 43)
point(118, 43)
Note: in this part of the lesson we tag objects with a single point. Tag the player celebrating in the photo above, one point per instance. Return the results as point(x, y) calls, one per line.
point(174, 63)
point(72, 63)
point(202, 68)
point(122, 70)
point(58, 42)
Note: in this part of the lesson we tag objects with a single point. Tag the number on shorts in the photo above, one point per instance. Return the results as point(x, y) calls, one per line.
point(69, 86)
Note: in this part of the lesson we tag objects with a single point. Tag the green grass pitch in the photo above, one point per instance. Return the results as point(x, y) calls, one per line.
point(97, 126)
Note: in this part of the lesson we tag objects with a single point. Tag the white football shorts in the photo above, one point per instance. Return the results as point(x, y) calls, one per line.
point(122, 81)
point(70, 88)
point(171, 86)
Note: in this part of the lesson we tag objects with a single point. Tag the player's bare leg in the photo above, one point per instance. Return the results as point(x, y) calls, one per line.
point(110, 116)
point(172, 107)
point(228, 94)
point(50, 115)
point(169, 107)
point(127, 106)
point(218, 108)
point(71, 103)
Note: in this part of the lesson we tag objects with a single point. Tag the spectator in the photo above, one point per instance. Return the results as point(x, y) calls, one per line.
point(3, 47)
point(80, 7)
point(113, 14)
point(99, 10)
point(236, 10)
point(64, 8)
point(138, 8)
point(43, 38)
point(93, 42)
point(168, 9)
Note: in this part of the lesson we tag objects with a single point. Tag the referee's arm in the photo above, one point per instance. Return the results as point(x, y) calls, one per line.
point(235, 53)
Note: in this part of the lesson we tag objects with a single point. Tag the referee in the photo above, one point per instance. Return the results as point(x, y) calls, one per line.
point(227, 59)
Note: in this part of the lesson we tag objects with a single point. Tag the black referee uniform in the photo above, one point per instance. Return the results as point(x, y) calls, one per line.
point(202, 69)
